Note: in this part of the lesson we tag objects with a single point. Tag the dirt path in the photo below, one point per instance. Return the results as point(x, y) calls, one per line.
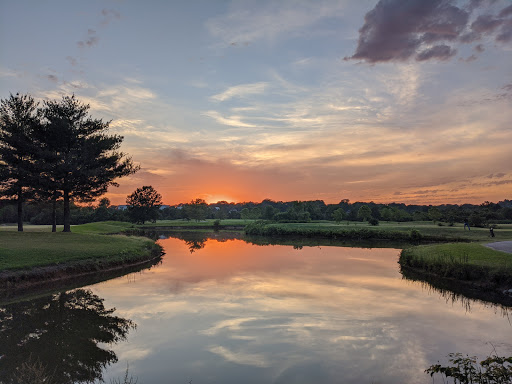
point(504, 246)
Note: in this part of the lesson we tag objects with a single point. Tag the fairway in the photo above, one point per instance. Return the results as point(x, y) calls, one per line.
point(35, 248)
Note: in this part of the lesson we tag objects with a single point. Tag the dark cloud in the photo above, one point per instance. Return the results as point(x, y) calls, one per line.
point(440, 52)
point(485, 24)
point(479, 48)
point(505, 34)
point(506, 11)
point(53, 78)
point(398, 30)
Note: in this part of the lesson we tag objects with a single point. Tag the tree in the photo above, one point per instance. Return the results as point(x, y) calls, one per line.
point(143, 204)
point(364, 212)
point(84, 159)
point(197, 210)
point(19, 119)
point(434, 214)
point(338, 215)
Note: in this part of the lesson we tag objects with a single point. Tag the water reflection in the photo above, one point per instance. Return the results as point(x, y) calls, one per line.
point(67, 336)
point(459, 292)
point(236, 312)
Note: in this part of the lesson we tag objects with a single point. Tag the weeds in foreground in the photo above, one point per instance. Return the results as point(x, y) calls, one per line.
point(127, 379)
point(465, 370)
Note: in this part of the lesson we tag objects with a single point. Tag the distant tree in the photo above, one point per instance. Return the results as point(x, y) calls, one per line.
point(434, 214)
point(19, 120)
point(364, 212)
point(338, 215)
point(102, 212)
point(386, 213)
point(269, 212)
point(197, 210)
point(84, 157)
point(143, 204)
point(245, 214)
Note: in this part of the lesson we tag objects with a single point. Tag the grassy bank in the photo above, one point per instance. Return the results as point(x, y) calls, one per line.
point(33, 255)
point(466, 262)
point(411, 231)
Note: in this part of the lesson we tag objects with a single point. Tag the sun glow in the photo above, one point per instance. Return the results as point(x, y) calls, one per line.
point(211, 199)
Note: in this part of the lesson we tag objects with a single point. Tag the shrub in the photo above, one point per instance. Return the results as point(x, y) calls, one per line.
point(415, 235)
point(373, 221)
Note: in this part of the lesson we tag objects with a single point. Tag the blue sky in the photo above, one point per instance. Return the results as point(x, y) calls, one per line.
point(395, 100)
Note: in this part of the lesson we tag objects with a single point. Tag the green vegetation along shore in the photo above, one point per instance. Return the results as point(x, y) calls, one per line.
point(472, 263)
point(32, 256)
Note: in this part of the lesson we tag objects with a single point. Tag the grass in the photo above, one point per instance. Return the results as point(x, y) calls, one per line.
point(463, 261)
point(88, 242)
point(192, 223)
point(425, 228)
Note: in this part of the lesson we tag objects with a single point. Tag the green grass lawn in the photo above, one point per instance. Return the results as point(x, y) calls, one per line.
point(471, 253)
point(35, 248)
point(426, 228)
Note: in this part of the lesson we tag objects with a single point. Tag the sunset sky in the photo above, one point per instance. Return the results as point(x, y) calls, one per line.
point(391, 100)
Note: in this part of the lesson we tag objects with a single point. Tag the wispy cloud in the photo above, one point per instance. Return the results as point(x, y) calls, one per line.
point(245, 23)
point(234, 121)
point(241, 90)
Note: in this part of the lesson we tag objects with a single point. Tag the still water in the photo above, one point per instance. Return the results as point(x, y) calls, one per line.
point(224, 310)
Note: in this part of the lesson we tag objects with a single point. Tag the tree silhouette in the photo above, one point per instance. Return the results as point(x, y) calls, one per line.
point(84, 157)
point(143, 204)
point(61, 334)
point(19, 120)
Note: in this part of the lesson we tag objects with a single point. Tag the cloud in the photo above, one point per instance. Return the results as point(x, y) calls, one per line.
point(440, 52)
point(109, 15)
point(53, 78)
point(240, 91)
point(398, 30)
point(91, 40)
point(234, 121)
point(245, 23)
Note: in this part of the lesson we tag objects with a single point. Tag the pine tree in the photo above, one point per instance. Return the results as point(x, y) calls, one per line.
point(84, 159)
point(19, 119)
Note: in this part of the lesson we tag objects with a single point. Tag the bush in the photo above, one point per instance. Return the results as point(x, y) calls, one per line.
point(415, 235)
point(373, 221)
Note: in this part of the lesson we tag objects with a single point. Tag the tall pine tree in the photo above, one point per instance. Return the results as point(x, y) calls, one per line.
point(83, 159)
point(19, 119)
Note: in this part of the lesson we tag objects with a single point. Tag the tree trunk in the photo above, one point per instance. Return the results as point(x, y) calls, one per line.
point(67, 221)
point(20, 210)
point(54, 212)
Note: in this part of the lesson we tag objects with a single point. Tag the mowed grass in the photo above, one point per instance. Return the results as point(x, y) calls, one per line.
point(470, 253)
point(426, 228)
point(35, 248)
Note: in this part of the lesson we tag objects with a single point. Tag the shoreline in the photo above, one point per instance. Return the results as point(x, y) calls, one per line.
point(19, 280)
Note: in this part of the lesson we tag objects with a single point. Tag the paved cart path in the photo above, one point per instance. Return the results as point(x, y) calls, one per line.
point(504, 246)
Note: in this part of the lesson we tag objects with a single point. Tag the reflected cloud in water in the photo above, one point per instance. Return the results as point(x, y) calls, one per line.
point(236, 312)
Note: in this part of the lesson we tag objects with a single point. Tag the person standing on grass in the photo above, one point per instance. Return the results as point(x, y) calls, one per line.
point(491, 232)
point(466, 224)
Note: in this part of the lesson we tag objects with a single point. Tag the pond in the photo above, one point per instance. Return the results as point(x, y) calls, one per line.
point(219, 309)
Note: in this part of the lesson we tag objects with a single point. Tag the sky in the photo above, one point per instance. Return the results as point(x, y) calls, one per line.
point(386, 101)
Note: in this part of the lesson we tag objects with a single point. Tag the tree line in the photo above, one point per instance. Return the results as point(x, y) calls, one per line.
point(56, 152)
point(145, 204)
